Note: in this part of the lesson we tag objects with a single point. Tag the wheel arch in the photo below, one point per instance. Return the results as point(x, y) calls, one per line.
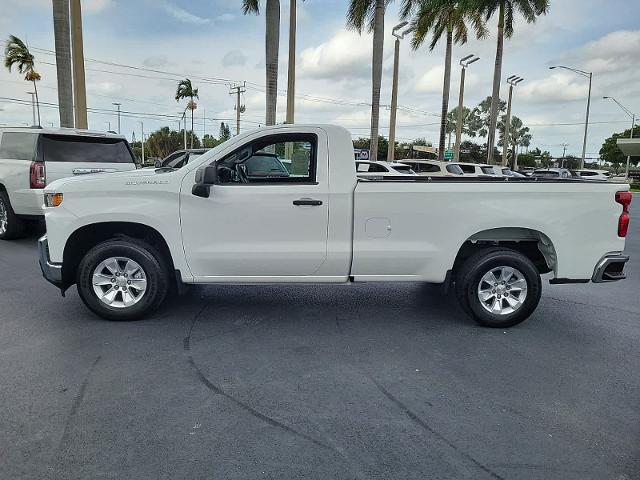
point(533, 244)
point(88, 236)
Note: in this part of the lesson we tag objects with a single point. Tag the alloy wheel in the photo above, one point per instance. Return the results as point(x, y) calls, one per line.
point(119, 282)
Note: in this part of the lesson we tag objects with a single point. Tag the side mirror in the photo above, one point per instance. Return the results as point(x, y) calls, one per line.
point(205, 177)
point(158, 163)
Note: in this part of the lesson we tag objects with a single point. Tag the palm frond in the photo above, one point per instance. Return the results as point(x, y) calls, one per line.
point(17, 53)
point(250, 6)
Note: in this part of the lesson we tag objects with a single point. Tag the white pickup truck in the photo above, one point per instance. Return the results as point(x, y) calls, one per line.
point(128, 239)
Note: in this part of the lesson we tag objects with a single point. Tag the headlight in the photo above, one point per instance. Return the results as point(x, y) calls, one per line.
point(53, 199)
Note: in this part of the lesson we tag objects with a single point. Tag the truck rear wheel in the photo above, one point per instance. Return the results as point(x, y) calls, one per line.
point(122, 279)
point(10, 225)
point(499, 287)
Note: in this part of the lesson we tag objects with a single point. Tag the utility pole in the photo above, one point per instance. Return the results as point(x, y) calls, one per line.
point(118, 105)
point(77, 57)
point(237, 90)
point(142, 139)
point(33, 106)
point(391, 150)
point(564, 152)
point(108, 126)
point(291, 79)
point(633, 124)
point(513, 80)
point(464, 63)
point(204, 125)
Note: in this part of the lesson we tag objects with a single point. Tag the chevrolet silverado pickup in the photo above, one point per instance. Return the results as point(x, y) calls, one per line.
point(235, 216)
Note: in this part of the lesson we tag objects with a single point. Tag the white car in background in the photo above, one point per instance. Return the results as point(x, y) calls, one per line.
point(479, 169)
point(376, 169)
point(600, 175)
point(434, 168)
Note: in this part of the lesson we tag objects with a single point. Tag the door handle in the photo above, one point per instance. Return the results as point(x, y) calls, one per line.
point(307, 201)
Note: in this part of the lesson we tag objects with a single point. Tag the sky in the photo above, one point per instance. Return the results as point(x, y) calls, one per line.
point(214, 44)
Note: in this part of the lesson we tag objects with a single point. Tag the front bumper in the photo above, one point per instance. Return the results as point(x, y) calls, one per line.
point(610, 268)
point(52, 272)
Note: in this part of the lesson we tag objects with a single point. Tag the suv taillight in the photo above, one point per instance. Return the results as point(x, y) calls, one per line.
point(624, 199)
point(37, 175)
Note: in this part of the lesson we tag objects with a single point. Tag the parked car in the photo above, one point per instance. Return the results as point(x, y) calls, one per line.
point(433, 168)
point(180, 158)
point(31, 158)
point(600, 175)
point(388, 169)
point(209, 222)
point(479, 169)
point(552, 173)
point(527, 171)
point(507, 172)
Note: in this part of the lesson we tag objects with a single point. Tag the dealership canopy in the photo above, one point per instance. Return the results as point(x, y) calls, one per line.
point(630, 146)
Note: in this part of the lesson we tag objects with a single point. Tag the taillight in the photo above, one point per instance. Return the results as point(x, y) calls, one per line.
point(624, 199)
point(37, 175)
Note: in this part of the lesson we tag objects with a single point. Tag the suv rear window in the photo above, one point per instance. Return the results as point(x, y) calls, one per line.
point(69, 148)
point(455, 169)
point(18, 146)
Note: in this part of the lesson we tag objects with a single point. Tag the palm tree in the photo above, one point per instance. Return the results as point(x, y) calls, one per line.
point(62, 37)
point(371, 13)
point(17, 53)
point(439, 17)
point(186, 90)
point(530, 10)
point(272, 43)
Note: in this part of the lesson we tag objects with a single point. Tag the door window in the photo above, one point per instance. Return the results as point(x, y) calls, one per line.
point(18, 146)
point(275, 159)
point(69, 148)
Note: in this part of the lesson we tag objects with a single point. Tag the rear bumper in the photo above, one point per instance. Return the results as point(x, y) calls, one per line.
point(610, 268)
point(52, 272)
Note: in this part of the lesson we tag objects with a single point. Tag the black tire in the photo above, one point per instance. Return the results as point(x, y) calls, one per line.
point(15, 226)
point(474, 269)
point(148, 258)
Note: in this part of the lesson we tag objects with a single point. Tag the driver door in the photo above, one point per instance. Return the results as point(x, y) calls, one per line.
point(266, 219)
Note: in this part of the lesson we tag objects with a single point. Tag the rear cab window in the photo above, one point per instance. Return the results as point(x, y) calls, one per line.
point(18, 145)
point(79, 149)
point(487, 170)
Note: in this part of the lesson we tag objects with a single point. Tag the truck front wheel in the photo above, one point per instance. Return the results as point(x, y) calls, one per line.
point(122, 279)
point(499, 287)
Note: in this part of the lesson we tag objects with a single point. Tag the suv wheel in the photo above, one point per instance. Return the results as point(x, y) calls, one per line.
point(122, 279)
point(10, 225)
point(499, 287)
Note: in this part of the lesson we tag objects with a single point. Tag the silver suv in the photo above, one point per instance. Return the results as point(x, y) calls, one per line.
point(31, 158)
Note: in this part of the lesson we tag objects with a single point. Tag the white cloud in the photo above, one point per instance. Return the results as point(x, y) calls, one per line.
point(226, 17)
point(556, 87)
point(431, 81)
point(155, 61)
point(182, 15)
point(234, 57)
point(345, 55)
point(95, 6)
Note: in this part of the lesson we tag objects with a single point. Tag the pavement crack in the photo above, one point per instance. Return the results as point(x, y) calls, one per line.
point(413, 416)
point(247, 408)
point(77, 402)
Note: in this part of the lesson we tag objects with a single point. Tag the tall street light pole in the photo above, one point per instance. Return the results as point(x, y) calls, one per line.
point(633, 124)
point(142, 139)
point(391, 151)
point(588, 75)
point(464, 63)
point(118, 105)
point(513, 80)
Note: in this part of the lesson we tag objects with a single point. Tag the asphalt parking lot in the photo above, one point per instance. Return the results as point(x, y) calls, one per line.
point(355, 382)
